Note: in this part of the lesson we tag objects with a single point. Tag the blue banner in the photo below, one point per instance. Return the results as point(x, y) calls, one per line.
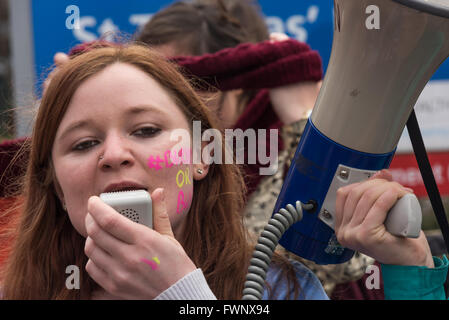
point(56, 27)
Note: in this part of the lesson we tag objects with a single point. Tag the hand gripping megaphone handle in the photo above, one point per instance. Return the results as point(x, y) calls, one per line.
point(403, 220)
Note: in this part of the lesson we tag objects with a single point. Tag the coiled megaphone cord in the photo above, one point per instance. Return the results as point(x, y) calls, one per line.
point(268, 240)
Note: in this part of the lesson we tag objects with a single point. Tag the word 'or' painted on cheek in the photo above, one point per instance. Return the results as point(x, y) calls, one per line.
point(182, 177)
point(153, 264)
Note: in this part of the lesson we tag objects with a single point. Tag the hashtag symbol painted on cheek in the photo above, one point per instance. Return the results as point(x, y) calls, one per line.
point(155, 163)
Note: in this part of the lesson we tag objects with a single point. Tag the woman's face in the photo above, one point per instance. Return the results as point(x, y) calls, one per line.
point(115, 136)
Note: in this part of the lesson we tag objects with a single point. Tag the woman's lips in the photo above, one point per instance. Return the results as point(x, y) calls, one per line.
point(124, 186)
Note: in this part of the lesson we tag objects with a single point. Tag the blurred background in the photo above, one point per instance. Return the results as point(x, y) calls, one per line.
point(32, 31)
point(5, 74)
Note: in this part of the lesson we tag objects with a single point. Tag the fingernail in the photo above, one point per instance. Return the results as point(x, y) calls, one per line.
point(158, 193)
point(162, 194)
point(410, 190)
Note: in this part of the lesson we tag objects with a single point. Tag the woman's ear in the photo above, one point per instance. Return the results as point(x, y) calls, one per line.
point(200, 171)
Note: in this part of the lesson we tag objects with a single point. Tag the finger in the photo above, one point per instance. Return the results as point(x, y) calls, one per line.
point(98, 275)
point(381, 207)
point(60, 59)
point(111, 221)
point(161, 220)
point(97, 254)
point(101, 265)
point(103, 239)
point(353, 199)
point(342, 194)
point(366, 202)
point(344, 191)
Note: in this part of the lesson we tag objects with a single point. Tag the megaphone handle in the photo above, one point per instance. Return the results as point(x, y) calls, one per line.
point(405, 218)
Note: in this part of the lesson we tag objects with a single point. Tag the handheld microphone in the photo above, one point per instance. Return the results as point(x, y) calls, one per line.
point(135, 205)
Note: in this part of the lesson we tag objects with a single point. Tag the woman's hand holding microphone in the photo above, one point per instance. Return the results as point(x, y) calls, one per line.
point(122, 253)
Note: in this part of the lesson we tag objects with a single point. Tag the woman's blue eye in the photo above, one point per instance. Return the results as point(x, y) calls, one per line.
point(85, 145)
point(147, 131)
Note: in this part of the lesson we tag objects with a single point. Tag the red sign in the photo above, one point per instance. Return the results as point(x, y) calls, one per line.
point(405, 171)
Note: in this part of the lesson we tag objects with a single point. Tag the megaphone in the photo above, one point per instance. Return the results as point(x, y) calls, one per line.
point(375, 75)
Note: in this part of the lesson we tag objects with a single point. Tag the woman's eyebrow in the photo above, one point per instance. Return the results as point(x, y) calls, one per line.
point(75, 126)
point(144, 108)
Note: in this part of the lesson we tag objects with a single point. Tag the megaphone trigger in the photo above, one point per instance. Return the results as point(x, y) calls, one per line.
point(403, 220)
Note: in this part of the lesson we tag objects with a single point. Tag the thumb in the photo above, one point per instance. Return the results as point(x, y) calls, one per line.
point(161, 220)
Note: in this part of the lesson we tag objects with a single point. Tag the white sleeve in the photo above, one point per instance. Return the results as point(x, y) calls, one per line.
point(193, 286)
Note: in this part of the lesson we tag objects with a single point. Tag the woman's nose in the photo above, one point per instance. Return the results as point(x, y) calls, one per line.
point(115, 153)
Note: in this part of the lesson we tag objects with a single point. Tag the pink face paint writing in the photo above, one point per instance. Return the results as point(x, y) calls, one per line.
point(182, 156)
point(171, 157)
point(155, 163)
point(167, 156)
point(183, 202)
point(153, 264)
